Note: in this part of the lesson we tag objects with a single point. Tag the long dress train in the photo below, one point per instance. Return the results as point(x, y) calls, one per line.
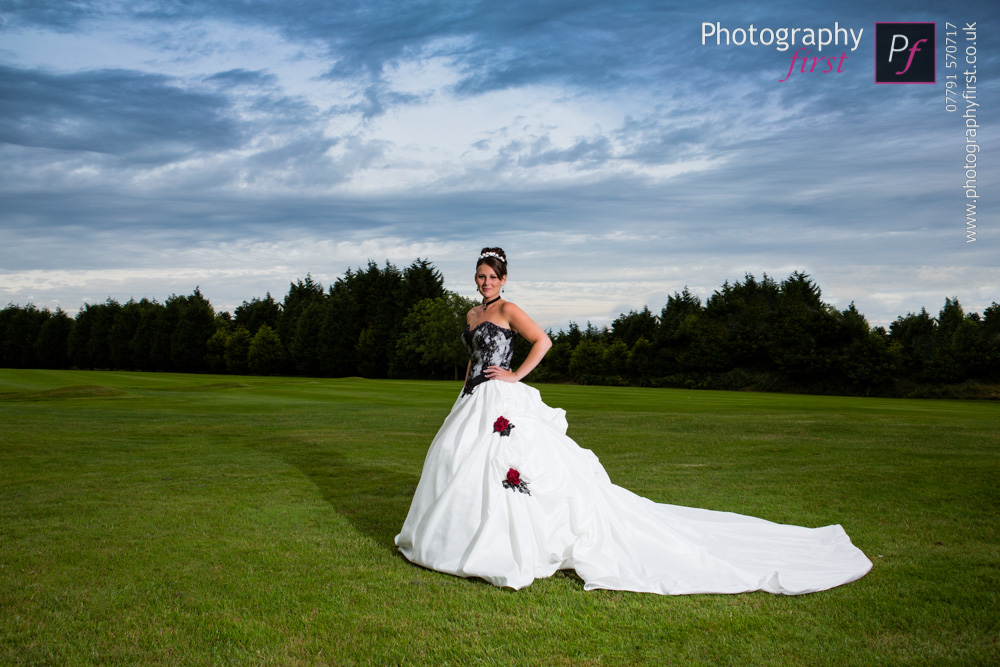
point(505, 495)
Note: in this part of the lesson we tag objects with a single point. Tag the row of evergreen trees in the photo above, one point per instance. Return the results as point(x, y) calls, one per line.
point(765, 335)
point(351, 329)
point(385, 322)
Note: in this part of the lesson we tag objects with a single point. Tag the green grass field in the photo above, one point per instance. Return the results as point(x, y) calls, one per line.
point(192, 519)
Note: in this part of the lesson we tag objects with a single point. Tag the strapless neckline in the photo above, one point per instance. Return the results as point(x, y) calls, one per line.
point(471, 328)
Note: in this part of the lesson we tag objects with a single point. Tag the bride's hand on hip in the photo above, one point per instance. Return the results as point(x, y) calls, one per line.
point(498, 373)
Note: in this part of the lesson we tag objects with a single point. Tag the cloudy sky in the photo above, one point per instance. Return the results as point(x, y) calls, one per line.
point(152, 146)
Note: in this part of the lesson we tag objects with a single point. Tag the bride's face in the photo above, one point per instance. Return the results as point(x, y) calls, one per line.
point(488, 282)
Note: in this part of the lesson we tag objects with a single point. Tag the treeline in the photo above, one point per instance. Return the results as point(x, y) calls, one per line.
point(364, 324)
point(383, 322)
point(762, 335)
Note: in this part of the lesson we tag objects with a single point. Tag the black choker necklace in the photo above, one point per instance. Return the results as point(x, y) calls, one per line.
point(494, 300)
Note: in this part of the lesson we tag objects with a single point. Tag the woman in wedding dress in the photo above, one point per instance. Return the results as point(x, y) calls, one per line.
point(506, 496)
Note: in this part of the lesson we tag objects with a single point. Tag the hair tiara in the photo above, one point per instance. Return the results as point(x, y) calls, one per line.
point(490, 253)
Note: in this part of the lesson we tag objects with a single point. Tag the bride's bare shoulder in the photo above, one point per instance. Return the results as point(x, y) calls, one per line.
point(522, 323)
point(511, 311)
point(472, 317)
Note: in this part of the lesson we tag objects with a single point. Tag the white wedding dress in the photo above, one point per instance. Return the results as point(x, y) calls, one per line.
point(473, 516)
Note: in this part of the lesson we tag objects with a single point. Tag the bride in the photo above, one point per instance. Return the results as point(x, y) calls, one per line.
point(506, 496)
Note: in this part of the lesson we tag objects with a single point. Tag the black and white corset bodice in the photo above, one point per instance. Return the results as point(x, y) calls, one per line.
point(489, 344)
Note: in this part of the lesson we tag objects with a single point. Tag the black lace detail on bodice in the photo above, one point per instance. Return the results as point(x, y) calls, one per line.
point(489, 344)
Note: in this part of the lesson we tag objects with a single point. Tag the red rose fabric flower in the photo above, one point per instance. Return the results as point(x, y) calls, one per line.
point(514, 482)
point(502, 426)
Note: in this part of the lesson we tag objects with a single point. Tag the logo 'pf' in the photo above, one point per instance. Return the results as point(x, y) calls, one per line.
point(905, 52)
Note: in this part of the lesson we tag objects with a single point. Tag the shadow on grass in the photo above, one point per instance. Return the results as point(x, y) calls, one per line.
point(373, 499)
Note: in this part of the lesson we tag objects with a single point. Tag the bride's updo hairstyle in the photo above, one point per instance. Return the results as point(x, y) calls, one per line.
point(496, 258)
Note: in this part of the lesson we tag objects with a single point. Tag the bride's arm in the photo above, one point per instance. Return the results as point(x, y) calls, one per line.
point(468, 366)
point(540, 344)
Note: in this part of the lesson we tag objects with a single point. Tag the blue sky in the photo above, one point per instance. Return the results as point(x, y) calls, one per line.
point(150, 147)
